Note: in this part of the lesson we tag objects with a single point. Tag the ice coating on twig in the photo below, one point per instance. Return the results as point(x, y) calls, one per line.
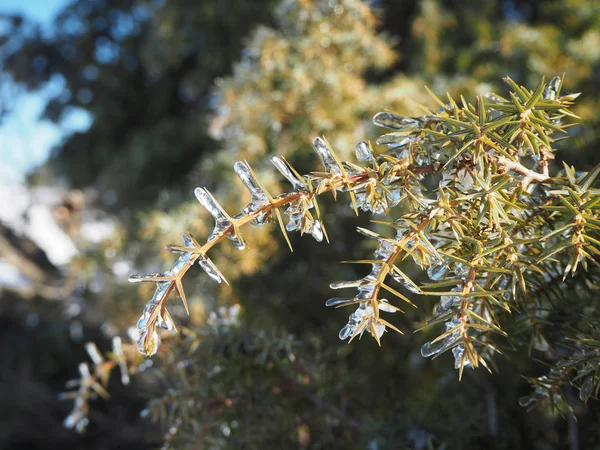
point(144, 328)
point(222, 220)
point(438, 346)
point(326, 156)
point(283, 167)
point(260, 197)
point(366, 316)
point(394, 121)
point(300, 219)
point(204, 261)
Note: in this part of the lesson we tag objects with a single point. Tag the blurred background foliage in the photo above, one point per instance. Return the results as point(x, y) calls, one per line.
point(179, 91)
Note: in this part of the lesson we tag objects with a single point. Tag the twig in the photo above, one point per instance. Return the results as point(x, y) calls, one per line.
point(513, 166)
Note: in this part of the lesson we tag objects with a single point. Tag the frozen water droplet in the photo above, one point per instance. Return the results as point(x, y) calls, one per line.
point(259, 195)
point(394, 121)
point(437, 271)
point(346, 332)
point(404, 282)
point(326, 156)
point(344, 284)
point(552, 88)
point(379, 329)
point(385, 306)
point(395, 196)
point(294, 223)
point(458, 353)
point(396, 140)
point(143, 278)
point(284, 169)
point(384, 250)
point(222, 219)
point(164, 321)
point(338, 301)
point(363, 151)
point(317, 231)
point(433, 348)
point(209, 267)
point(461, 270)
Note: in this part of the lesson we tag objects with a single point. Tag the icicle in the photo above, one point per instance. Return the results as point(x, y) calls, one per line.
point(284, 169)
point(394, 121)
point(326, 156)
point(433, 348)
point(346, 332)
point(338, 301)
point(552, 88)
point(259, 197)
point(222, 219)
point(458, 353)
point(316, 231)
point(396, 140)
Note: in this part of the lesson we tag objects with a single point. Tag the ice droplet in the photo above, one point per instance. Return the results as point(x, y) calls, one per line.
point(164, 320)
point(284, 169)
point(258, 195)
point(363, 151)
point(437, 271)
point(326, 156)
point(552, 88)
point(385, 306)
point(394, 121)
point(396, 140)
point(379, 329)
point(317, 231)
point(346, 332)
point(338, 301)
point(404, 282)
point(209, 267)
point(222, 219)
point(433, 348)
point(458, 353)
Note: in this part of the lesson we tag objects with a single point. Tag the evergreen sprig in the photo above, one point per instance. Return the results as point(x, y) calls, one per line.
point(481, 214)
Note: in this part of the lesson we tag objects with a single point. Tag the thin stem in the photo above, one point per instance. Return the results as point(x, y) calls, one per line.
point(513, 166)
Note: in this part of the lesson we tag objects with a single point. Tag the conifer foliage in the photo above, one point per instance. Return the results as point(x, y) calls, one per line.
point(482, 216)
